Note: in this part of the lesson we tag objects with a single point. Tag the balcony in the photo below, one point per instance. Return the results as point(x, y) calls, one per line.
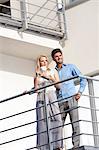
point(18, 124)
point(43, 17)
point(32, 25)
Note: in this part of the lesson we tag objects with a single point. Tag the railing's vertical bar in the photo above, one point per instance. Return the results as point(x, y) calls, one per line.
point(23, 15)
point(93, 113)
point(64, 19)
point(59, 8)
point(47, 120)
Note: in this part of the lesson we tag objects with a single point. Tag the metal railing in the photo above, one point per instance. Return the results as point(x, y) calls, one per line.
point(92, 108)
point(43, 17)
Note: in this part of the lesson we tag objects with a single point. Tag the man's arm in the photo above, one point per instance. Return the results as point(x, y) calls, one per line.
point(83, 82)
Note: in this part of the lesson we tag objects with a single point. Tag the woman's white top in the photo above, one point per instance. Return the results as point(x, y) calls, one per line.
point(45, 82)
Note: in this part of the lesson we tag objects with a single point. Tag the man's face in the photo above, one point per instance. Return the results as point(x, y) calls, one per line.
point(58, 58)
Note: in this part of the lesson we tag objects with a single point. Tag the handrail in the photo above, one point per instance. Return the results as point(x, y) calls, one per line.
point(87, 77)
point(32, 91)
point(35, 90)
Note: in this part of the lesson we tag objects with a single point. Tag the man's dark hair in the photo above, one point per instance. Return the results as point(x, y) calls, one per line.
point(54, 51)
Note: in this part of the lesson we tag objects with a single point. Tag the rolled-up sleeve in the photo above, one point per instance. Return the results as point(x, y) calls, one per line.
point(83, 81)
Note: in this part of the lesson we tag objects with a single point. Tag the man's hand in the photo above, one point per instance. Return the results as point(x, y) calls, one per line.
point(77, 96)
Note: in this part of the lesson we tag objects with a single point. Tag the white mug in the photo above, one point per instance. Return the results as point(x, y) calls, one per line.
point(43, 68)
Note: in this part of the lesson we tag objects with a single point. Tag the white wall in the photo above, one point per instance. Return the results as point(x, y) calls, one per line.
point(12, 84)
point(98, 34)
point(16, 65)
point(82, 46)
point(16, 76)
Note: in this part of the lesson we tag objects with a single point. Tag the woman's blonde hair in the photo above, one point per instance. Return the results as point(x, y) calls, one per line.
point(37, 69)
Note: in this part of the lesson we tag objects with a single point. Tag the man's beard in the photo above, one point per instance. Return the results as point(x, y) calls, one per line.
point(60, 62)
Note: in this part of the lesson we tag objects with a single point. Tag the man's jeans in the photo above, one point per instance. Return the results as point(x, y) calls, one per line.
point(74, 116)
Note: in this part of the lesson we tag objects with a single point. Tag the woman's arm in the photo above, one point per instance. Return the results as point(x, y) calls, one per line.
point(36, 82)
point(55, 79)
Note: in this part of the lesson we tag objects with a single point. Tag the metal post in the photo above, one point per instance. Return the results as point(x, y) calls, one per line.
point(23, 15)
point(59, 9)
point(47, 120)
point(93, 113)
point(64, 19)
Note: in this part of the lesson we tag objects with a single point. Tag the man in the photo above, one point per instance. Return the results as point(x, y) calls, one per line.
point(68, 95)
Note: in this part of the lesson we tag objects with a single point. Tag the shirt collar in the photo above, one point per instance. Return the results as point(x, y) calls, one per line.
point(62, 66)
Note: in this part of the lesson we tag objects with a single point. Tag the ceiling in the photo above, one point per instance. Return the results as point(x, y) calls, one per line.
point(22, 49)
point(3, 1)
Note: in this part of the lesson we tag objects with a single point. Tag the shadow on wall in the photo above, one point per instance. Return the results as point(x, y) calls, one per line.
point(17, 65)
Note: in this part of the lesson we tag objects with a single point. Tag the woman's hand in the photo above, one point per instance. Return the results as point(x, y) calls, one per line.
point(44, 75)
point(51, 78)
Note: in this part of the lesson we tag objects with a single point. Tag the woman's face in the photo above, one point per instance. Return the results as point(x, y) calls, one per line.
point(43, 61)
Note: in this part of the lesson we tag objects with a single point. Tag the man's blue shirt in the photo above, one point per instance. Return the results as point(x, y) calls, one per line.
point(68, 88)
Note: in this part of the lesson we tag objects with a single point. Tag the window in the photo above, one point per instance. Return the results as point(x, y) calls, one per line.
point(4, 9)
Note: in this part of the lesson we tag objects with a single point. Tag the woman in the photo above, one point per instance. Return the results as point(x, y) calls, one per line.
point(45, 76)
